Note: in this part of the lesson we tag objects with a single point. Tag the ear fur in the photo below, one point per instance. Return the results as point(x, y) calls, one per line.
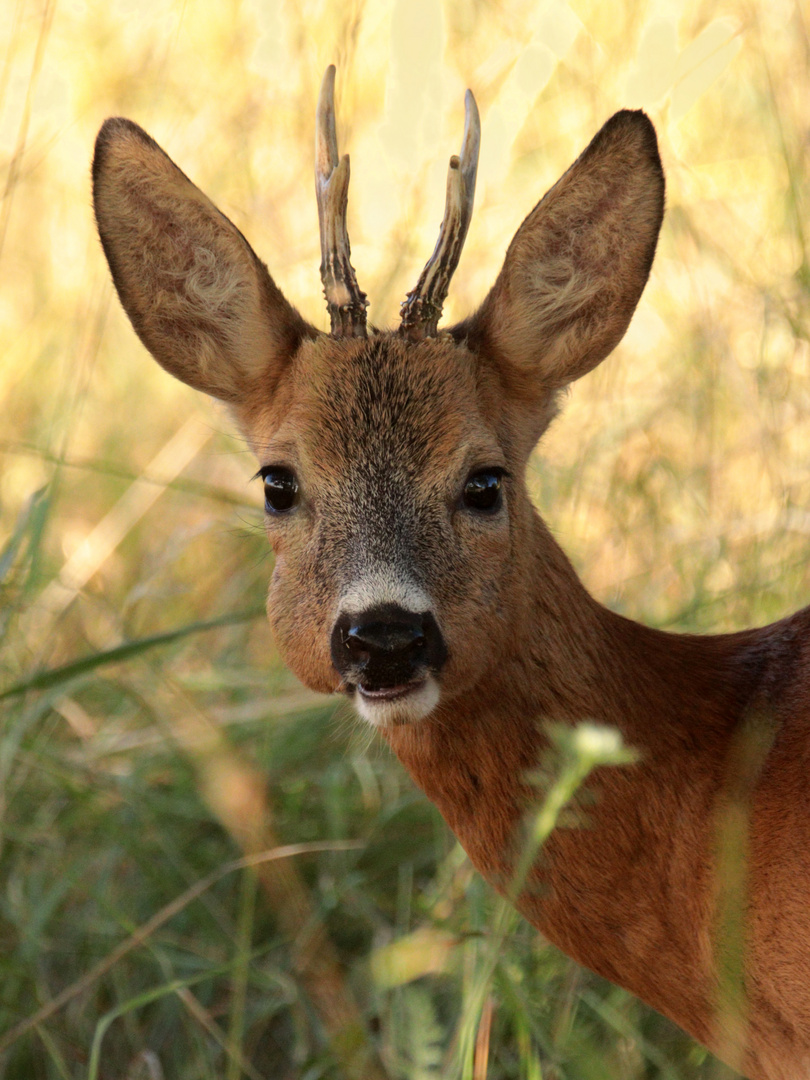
point(198, 297)
point(577, 266)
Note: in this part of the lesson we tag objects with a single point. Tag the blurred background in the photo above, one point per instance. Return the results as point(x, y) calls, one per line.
point(153, 749)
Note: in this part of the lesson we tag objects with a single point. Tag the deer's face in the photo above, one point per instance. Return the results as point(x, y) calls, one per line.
point(393, 463)
point(393, 491)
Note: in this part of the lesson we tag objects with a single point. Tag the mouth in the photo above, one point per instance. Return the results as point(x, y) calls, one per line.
point(402, 703)
point(388, 693)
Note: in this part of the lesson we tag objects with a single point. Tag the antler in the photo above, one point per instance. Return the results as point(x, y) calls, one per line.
point(423, 308)
point(344, 300)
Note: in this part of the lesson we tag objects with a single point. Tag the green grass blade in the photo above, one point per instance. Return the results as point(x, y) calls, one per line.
point(47, 679)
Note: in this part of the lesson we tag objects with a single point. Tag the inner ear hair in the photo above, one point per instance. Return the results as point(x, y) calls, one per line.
point(575, 270)
point(197, 295)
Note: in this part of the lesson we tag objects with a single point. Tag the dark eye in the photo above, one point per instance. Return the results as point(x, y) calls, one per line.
point(280, 489)
point(483, 490)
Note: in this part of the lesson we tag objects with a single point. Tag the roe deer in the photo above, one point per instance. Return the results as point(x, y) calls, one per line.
point(413, 574)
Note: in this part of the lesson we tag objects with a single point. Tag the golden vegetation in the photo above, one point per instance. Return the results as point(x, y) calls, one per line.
point(677, 479)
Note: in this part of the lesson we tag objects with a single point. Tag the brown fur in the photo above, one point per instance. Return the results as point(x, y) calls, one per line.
point(382, 434)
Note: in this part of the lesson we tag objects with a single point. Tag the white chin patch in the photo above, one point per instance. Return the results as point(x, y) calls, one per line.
point(406, 708)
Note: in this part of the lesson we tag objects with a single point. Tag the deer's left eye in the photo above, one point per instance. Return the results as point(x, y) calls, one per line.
point(280, 489)
point(483, 491)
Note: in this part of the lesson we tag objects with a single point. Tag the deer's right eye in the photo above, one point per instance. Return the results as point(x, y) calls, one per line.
point(280, 489)
point(482, 491)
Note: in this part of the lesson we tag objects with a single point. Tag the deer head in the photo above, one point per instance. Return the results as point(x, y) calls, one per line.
point(393, 462)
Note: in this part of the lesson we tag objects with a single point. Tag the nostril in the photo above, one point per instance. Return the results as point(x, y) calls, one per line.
point(387, 644)
point(389, 637)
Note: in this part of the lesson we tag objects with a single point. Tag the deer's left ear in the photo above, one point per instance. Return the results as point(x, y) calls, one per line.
point(578, 264)
point(198, 297)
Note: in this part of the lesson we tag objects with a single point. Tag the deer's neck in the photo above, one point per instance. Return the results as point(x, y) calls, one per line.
point(631, 890)
point(571, 659)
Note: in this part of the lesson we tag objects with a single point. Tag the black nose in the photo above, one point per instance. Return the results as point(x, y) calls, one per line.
point(387, 646)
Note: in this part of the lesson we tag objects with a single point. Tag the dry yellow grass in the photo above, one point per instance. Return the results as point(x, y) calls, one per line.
point(677, 479)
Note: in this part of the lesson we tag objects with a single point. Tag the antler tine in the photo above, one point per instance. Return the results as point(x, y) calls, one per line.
point(423, 308)
point(344, 300)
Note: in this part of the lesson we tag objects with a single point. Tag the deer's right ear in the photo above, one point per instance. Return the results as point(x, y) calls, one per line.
point(198, 297)
point(577, 266)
